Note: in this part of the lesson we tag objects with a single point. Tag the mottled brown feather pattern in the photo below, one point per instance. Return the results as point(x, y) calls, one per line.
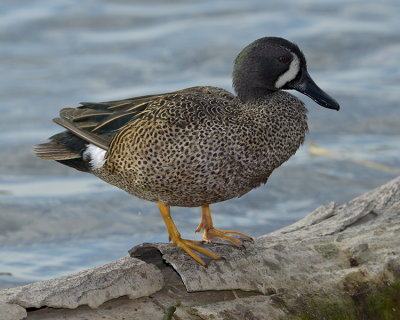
point(203, 145)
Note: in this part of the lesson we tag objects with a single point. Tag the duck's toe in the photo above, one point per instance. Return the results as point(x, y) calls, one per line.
point(189, 245)
point(209, 235)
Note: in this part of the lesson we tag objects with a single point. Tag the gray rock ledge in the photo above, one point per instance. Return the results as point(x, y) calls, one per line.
point(124, 277)
point(332, 262)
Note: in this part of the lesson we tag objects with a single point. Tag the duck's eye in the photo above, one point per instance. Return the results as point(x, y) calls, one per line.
point(284, 59)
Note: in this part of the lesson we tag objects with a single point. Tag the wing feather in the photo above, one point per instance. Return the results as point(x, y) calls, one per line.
point(97, 123)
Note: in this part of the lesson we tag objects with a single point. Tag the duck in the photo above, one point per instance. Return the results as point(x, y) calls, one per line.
point(197, 146)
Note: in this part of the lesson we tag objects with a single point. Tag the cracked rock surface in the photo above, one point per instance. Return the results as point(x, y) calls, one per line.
point(338, 253)
point(92, 287)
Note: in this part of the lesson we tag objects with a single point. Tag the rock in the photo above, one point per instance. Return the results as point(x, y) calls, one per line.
point(11, 311)
point(126, 276)
point(257, 307)
point(341, 261)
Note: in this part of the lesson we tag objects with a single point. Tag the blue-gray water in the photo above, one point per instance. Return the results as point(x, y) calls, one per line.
point(53, 54)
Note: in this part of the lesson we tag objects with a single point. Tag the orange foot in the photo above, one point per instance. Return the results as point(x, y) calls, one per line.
point(209, 232)
point(187, 245)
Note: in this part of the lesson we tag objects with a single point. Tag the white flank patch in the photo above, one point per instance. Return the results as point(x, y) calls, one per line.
point(95, 155)
point(290, 74)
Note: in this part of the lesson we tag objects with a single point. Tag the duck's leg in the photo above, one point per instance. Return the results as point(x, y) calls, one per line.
point(209, 232)
point(175, 236)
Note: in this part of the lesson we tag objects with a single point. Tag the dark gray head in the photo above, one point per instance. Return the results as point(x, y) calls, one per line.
point(270, 64)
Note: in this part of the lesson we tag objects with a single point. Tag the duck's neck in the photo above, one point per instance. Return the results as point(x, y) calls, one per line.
point(253, 93)
point(250, 85)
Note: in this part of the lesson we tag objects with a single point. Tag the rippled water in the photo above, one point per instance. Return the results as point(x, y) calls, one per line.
point(54, 220)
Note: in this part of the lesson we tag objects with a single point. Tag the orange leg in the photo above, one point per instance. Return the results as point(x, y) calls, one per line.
point(175, 236)
point(209, 232)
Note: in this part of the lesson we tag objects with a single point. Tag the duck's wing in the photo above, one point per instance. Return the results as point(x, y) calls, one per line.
point(91, 123)
point(97, 123)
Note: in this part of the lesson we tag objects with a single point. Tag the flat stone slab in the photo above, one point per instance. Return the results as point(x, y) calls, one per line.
point(124, 277)
point(257, 307)
point(11, 311)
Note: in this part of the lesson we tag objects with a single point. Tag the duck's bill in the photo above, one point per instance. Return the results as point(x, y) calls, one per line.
point(307, 86)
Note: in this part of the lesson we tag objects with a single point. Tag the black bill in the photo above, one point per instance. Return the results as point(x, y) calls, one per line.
point(307, 86)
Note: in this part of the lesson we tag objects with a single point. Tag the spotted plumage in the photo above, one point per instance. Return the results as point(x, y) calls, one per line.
point(199, 145)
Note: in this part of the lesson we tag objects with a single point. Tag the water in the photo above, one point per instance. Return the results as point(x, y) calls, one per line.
point(53, 54)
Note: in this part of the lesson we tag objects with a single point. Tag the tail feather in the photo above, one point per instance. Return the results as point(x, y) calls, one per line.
point(54, 151)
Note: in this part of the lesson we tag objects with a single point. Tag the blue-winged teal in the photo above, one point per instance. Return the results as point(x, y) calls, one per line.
point(199, 145)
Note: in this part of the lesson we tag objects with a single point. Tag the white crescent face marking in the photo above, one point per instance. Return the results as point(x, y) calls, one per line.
point(290, 74)
point(95, 155)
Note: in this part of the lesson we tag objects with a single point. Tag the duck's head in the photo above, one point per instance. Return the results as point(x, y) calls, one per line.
point(270, 64)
